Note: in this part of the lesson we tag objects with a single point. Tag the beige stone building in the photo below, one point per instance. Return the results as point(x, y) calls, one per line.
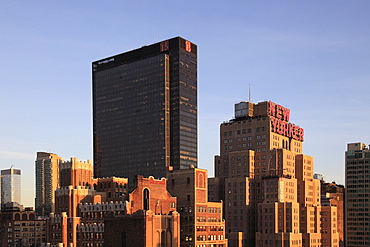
point(271, 198)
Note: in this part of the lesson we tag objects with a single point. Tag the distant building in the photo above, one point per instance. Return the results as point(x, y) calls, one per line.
point(145, 110)
point(357, 195)
point(46, 181)
point(202, 222)
point(11, 186)
point(320, 177)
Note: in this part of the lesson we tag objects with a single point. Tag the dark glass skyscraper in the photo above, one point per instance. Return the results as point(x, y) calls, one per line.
point(145, 110)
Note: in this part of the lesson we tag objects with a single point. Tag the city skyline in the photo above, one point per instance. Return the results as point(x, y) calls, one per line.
point(310, 57)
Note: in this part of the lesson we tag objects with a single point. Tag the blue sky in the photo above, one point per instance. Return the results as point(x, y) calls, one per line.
point(310, 56)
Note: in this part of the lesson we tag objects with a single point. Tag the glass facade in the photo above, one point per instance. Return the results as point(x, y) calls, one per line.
point(10, 186)
point(145, 110)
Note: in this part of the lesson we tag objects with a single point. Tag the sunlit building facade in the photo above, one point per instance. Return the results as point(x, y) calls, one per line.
point(202, 222)
point(267, 184)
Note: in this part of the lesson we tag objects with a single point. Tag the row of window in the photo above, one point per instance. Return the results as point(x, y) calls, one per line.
point(244, 131)
point(210, 219)
point(210, 210)
point(210, 237)
point(18, 229)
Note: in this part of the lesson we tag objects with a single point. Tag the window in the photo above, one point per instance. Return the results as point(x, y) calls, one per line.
point(146, 199)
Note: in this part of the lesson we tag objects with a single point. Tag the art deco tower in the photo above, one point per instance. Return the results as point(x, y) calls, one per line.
point(267, 184)
point(145, 110)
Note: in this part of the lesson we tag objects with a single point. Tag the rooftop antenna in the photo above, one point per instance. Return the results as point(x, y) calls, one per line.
point(249, 93)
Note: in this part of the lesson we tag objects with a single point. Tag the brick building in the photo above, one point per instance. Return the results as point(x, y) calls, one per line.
point(267, 185)
point(21, 228)
point(333, 194)
point(86, 208)
point(150, 219)
point(202, 223)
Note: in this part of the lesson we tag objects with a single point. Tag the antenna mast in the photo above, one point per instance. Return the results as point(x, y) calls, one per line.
point(249, 93)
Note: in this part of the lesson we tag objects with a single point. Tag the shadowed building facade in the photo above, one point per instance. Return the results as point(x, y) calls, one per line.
point(145, 110)
point(357, 216)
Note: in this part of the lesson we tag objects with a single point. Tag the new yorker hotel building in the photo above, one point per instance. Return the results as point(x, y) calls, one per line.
point(145, 110)
point(259, 127)
point(260, 149)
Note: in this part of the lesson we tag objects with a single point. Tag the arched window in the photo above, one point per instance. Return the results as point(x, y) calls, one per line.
point(17, 217)
point(24, 217)
point(163, 239)
point(169, 239)
point(201, 181)
point(146, 199)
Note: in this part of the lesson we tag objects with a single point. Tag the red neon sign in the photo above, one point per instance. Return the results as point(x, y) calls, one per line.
point(279, 112)
point(280, 123)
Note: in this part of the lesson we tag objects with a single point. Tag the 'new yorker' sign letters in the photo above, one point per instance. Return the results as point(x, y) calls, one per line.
point(280, 123)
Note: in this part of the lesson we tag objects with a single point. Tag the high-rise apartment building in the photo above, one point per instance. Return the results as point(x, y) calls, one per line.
point(47, 181)
point(357, 195)
point(10, 186)
point(145, 110)
point(267, 185)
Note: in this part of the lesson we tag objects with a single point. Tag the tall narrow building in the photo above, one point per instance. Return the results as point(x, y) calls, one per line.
point(145, 110)
point(357, 195)
point(47, 181)
point(10, 186)
point(201, 223)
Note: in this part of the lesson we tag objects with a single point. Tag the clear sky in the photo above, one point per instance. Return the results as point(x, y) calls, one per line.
point(310, 56)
